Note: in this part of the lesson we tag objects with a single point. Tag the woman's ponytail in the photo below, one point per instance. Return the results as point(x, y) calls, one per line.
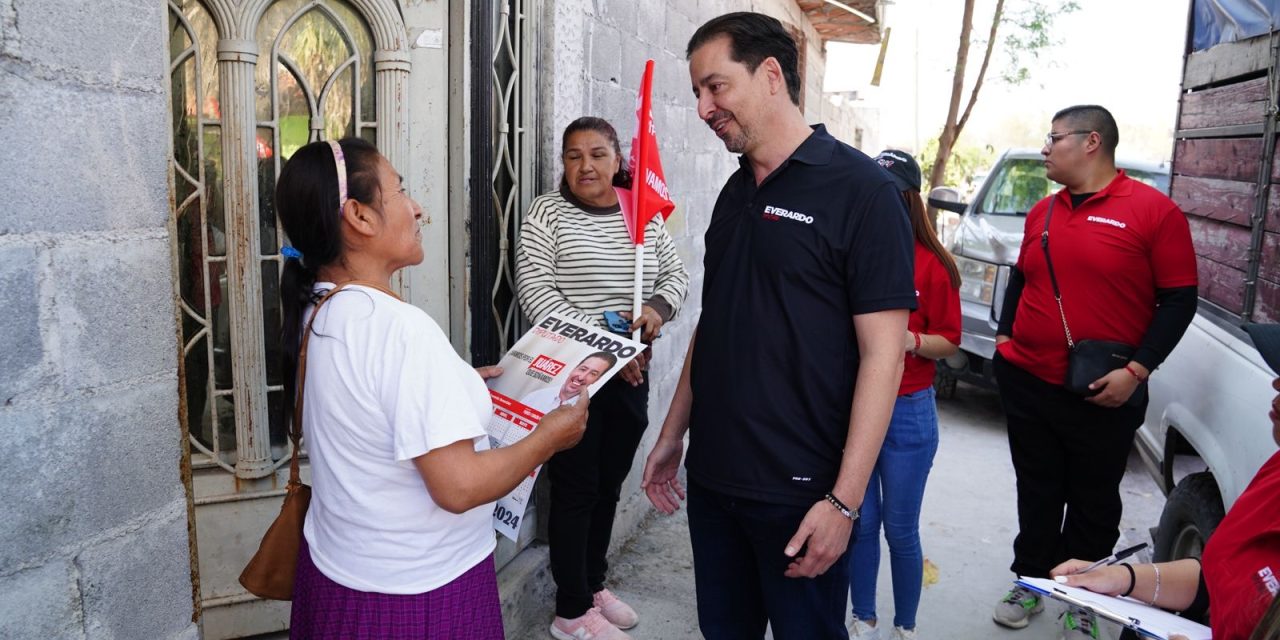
point(308, 203)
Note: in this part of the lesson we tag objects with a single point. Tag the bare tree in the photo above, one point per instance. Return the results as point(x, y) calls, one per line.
point(1030, 34)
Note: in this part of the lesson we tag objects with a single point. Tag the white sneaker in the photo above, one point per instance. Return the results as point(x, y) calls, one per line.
point(859, 630)
point(899, 633)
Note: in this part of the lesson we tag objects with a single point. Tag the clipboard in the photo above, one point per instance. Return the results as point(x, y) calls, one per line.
point(1148, 621)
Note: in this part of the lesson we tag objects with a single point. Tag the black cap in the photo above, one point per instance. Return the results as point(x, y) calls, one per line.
point(1266, 339)
point(903, 168)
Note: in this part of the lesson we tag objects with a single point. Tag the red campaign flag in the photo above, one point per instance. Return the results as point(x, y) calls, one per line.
point(648, 194)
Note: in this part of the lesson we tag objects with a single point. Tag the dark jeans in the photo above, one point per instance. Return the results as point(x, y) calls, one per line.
point(738, 565)
point(585, 485)
point(1067, 453)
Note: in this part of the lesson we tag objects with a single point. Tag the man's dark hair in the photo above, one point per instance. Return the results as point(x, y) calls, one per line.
point(754, 37)
point(607, 357)
point(1093, 118)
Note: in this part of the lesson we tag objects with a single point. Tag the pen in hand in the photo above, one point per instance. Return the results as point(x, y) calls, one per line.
point(1113, 558)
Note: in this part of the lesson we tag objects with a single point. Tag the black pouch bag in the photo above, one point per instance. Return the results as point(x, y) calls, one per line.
point(1092, 359)
point(1088, 360)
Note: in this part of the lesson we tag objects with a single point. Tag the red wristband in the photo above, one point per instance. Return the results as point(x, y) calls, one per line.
point(916, 335)
point(1134, 373)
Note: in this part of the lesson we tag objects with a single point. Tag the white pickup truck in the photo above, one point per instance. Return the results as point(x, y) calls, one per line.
point(1207, 430)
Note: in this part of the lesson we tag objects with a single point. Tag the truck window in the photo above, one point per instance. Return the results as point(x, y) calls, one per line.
point(1016, 186)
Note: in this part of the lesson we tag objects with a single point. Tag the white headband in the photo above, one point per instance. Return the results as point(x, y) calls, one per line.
point(340, 163)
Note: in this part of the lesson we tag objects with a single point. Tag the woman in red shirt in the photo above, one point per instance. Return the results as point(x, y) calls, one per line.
point(896, 488)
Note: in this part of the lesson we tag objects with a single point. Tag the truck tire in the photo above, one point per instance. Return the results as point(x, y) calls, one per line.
point(944, 382)
point(1191, 514)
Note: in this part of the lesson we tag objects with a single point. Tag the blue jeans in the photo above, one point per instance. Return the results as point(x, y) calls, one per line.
point(738, 565)
point(894, 494)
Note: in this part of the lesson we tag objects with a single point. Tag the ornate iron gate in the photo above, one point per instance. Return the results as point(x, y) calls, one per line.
point(503, 167)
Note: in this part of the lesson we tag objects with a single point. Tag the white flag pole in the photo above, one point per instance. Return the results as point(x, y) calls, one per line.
point(639, 283)
point(643, 122)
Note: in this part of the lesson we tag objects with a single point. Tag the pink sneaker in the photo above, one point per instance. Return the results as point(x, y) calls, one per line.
point(589, 626)
point(614, 610)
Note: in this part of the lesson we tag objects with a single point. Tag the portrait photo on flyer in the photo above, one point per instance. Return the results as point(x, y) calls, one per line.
point(547, 367)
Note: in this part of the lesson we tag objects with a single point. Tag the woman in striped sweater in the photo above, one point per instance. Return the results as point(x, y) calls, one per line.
point(575, 257)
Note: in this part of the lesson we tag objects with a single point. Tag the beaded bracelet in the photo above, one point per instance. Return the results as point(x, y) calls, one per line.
point(1133, 579)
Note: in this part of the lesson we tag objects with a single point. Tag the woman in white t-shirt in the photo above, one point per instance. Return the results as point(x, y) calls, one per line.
point(397, 540)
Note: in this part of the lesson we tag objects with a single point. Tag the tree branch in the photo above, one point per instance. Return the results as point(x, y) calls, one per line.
point(982, 71)
point(948, 135)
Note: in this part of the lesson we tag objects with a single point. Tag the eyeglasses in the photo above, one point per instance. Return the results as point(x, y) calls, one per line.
point(1051, 138)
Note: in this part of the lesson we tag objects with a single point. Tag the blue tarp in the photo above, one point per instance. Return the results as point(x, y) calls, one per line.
point(1218, 21)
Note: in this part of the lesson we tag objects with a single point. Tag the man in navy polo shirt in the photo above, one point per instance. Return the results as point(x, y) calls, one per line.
point(792, 374)
point(1122, 256)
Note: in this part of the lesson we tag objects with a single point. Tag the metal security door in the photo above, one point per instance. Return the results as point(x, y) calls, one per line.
point(250, 84)
point(504, 37)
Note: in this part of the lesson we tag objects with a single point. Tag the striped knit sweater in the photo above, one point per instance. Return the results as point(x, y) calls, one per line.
point(579, 260)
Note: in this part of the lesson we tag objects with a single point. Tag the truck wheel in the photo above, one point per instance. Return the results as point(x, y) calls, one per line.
point(944, 382)
point(1191, 514)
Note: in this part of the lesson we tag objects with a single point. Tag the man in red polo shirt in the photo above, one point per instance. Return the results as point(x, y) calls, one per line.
point(1122, 256)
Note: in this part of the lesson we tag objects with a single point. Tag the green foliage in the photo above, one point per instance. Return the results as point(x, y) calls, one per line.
point(1029, 25)
point(965, 161)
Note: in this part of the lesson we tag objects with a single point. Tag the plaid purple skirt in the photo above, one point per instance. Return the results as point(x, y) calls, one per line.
point(465, 609)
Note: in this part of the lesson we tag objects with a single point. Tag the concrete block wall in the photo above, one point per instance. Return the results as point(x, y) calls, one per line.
point(853, 121)
point(592, 55)
point(94, 540)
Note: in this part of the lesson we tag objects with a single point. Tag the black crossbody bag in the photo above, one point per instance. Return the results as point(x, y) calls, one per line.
point(1088, 360)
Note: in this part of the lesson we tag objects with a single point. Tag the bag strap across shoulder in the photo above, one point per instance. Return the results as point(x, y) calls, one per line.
point(295, 429)
point(1057, 294)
